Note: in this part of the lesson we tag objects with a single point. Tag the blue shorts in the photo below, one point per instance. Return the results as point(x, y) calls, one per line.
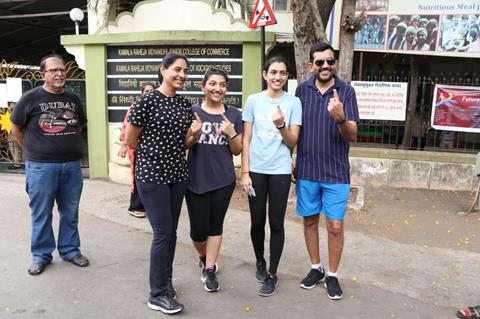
point(317, 197)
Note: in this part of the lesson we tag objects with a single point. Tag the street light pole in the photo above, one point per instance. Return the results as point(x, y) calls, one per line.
point(76, 15)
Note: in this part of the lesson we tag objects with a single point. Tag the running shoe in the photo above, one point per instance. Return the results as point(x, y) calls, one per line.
point(334, 291)
point(313, 278)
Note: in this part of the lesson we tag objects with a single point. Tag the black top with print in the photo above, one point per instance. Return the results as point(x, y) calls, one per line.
point(161, 148)
point(53, 125)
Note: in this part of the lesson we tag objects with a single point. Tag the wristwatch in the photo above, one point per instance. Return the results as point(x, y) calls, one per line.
point(341, 121)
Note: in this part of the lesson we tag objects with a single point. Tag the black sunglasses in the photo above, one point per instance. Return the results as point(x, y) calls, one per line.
point(320, 62)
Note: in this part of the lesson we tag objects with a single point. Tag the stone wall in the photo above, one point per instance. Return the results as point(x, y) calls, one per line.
point(383, 167)
point(412, 169)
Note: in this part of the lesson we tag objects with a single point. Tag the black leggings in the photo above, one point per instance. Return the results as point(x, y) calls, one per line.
point(163, 203)
point(275, 188)
point(135, 201)
point(207, 212)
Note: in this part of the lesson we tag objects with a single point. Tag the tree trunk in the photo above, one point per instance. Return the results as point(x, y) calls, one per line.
point(346, 45)
point(309, 21)
point(249, 6)
point(412, 102)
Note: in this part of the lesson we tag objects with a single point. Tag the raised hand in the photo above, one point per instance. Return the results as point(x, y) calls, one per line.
point(335, 107)
point(196, 126)
point(278, 117)
point(227, 127)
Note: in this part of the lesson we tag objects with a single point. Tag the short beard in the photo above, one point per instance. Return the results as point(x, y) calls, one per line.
point(319, 79)
point(59, 84)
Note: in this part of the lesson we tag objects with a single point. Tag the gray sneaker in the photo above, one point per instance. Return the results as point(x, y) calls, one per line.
point(170, 290)
point(313, 278)
point(211, 282)
point(269, 286)
point(261, 273)
point(164, 304)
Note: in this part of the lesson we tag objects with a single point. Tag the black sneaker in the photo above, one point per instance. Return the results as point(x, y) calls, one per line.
point(165, 304)
point(269, 286)
point(313, 278)
point(170, 290)
point(261, 273)
point(334, 291)
point(211, 282)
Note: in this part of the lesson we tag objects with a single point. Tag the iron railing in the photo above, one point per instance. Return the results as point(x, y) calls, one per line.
point(389, 134)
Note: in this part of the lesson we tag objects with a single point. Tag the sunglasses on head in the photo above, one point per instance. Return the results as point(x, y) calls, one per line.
point(215, 69)
point(320, 62)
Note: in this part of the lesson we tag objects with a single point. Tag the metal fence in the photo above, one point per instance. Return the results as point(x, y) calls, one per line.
point(389, 134)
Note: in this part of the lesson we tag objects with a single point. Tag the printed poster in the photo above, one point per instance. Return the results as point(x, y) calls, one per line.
point(381, 100)
point(456, 108)
point(429, 27)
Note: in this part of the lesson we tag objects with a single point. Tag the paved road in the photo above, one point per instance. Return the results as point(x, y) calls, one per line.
point(381, 279)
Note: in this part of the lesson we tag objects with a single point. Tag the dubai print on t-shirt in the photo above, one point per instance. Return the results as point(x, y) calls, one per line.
point(57, 116)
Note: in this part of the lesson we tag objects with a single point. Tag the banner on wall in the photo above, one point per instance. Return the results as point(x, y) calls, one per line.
point(420, 27)
point(456, 108)
point(381, 100)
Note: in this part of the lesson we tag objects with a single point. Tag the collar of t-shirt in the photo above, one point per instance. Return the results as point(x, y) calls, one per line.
point(226, 107)
point(163, 95)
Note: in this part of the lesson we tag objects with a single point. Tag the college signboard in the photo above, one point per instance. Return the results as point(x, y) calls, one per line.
point(456, 108)
point(381, 100)
point(432, 27)
point(129, 67)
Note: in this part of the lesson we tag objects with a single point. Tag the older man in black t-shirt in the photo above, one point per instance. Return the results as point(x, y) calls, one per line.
point(47, 124)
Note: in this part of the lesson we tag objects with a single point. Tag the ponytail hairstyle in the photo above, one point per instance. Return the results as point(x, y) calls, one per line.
point(168, 60)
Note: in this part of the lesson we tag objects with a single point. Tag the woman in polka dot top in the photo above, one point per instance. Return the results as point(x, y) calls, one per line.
point(160, 127)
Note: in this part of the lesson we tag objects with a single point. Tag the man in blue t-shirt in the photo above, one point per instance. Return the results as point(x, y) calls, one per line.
point(47, 124)
point(329, 117)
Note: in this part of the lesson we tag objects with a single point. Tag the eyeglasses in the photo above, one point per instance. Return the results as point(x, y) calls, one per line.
point(56, 70)
point(320, 62)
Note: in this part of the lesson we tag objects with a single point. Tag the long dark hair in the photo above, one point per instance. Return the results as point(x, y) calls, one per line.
point(168, 60)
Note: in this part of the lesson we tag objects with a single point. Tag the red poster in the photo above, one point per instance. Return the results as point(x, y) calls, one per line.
point(456, 108)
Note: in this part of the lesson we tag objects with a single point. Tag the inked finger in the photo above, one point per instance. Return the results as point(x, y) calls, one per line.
point(225, 118)
point(197, 117)
point(335, 94)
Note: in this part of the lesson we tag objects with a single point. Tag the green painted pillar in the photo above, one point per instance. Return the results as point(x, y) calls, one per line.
point(252, 70)
point(97, 109)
